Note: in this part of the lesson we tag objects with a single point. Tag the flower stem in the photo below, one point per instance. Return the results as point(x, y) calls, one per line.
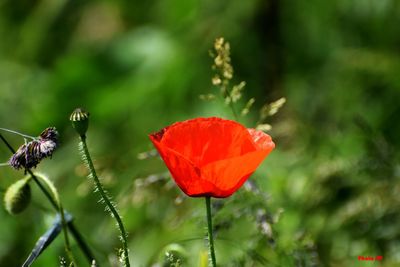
point(56, 199)
point(66, 238)
point(77, 236)
point(18, 133)
point(106, 199)
point(210, 232)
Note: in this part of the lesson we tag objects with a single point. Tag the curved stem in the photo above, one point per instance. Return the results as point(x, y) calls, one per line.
point(77, 236)
point(106, 200)
point(18, 133)
point(210, 232)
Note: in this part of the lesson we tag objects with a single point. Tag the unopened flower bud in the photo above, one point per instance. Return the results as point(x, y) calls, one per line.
point(80, 121)
point(18, 196)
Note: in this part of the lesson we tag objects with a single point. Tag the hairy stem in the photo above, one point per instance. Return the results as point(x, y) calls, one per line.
point(210, 233)
point(77, 236)
point(110, 206)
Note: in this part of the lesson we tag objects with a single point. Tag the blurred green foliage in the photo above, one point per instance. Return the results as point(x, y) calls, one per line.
point(327, 194)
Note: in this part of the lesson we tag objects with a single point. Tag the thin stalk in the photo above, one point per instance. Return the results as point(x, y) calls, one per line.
point(56, 199)
point(227, 93)
point(106, 199)
point(77, 236)
point(210, 233)
point(81, 242)
point(231, 103)
point(18, 133)
point(233, 110)
point(66, 238)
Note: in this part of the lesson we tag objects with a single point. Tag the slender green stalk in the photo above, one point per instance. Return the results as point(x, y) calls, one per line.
point(77, 236)
point(56, 198)
point(227, 94)
point(18, 133)
point(210, 233)
point(81, 242)
point(110, 206)
point(71, 226)
point(233, 108)
point(234, 113)
point(66, 238)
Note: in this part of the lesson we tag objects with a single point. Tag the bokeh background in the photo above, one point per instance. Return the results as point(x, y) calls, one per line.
point(330, 191)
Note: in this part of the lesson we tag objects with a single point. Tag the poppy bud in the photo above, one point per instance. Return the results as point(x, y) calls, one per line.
point(18, 196)
point(80, 120)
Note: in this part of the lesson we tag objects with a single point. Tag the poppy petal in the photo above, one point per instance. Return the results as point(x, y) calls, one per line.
point(230, 174)
point(261, 140)
point(205, 140)
point(185, 173)
point(211, 156)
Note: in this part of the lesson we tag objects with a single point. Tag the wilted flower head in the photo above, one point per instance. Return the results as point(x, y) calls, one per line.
point(49, 134)
point(30, 154)
point(18, 160)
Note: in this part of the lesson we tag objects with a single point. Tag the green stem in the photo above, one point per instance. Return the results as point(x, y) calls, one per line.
point(77, 236)
point(210, 232)
point(81, 243)
point(106, 200)
point(56, 199)
point(18, 133)
point(66, 238)
point(233, 110)
point(228, 94)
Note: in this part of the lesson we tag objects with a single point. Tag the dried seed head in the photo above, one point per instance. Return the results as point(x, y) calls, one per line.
point(30, 154)
point(27, 156)
point(18, 160)
point(49, 134)
point(47, 148)
point(222, 64)
point(18, 196)
point(80, 121)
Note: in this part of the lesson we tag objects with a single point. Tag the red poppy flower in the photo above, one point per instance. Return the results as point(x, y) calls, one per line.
point(211, 156)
